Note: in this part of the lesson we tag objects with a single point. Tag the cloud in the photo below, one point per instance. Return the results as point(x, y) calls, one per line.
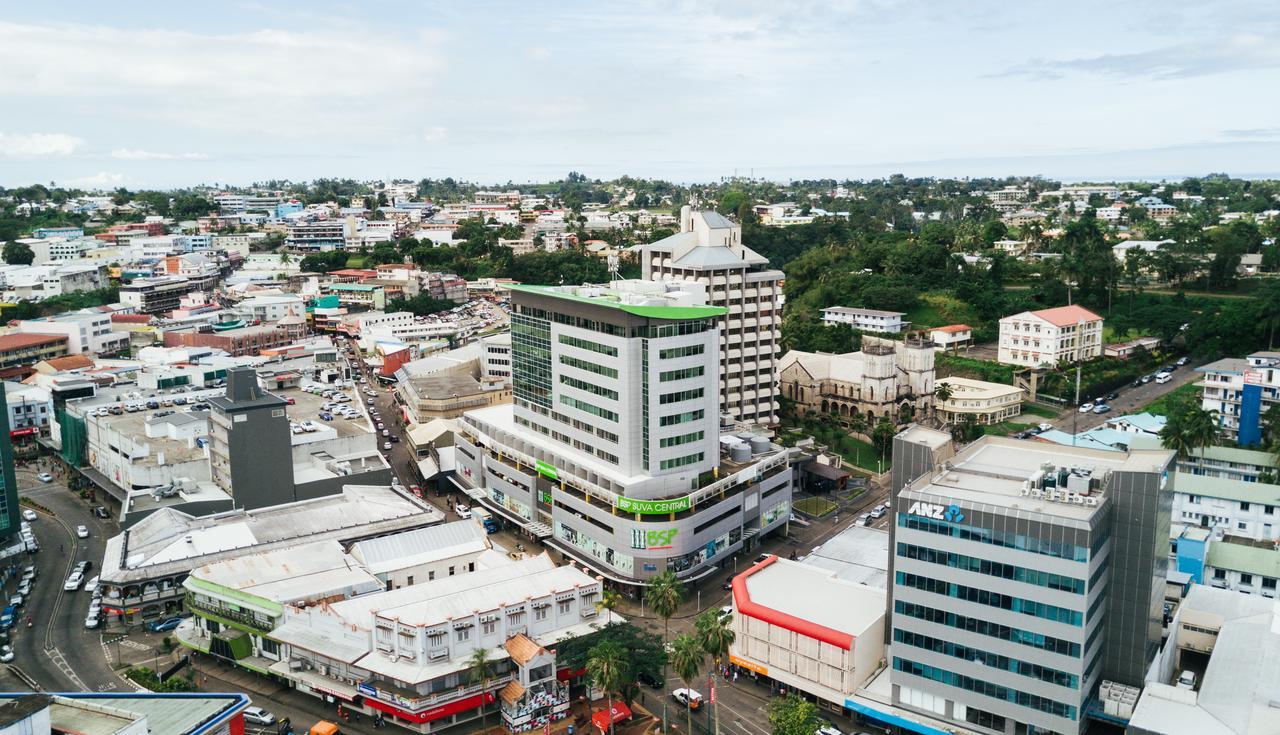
point(435, 134)
point(269, 82)
point(30, 145)
point(1252, 133)
point(1240, 52)
point(538, 53)
point(100, 180)
point(134, 154)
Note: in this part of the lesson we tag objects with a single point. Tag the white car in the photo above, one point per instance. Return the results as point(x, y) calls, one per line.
point(259, 716)
point(6, 654)
point(386, 446)
point(92, 622)
point(827, 729)
point(462, 510)
point(95, 608)
point(1045, 426)
point(91, 586)
point(1086, 407)
point(82, 531)
point(688, 697)
point(29, 515)
point(73, 582)
point(44, 477)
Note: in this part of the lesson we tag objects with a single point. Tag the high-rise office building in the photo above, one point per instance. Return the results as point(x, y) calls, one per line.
point(1022, 576)
point(10, 520)
point(612, 446)
point(708, 249)
point(250, 447)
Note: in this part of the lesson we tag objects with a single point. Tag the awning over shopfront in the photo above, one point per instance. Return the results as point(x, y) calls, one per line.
point(435, 713)
point(620, 712)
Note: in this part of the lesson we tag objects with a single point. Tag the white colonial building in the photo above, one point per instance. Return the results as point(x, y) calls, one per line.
point(1050, 336)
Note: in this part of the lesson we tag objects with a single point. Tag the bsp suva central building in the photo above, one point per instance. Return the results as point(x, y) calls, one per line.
point(612, 448)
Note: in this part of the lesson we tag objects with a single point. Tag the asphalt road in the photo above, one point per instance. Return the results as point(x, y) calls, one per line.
point(57, 651)
point(1131, 399)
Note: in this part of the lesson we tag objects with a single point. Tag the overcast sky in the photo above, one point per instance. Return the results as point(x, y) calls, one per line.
point(173, 94)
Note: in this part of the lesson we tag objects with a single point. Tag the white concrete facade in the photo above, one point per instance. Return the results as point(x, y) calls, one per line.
point(709, 250)
point(1050, 336)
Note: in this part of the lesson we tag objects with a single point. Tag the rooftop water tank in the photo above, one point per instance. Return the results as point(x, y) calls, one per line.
point(759, 445)
point(740, 453)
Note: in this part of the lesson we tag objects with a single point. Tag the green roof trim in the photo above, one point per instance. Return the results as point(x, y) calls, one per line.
point(675, 313)
point(270, 607)
point(1244, 558)
point(1225, 488)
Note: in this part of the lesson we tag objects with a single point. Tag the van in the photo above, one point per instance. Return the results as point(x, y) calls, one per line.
point(1187, 680)
point(1163, 377)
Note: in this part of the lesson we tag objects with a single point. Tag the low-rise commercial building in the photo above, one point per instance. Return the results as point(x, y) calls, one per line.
point(155, 295)
point(977, 401)
point(144, 567)
point(866, 320)
point(952, 336)
point(21, 350)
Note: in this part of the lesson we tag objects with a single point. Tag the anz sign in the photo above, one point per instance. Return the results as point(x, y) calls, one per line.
point(937, 511)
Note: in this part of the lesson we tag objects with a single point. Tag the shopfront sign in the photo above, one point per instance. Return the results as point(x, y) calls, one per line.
point(749, 665)
point(653, 507)
point(546, 470)
point(653, 539)
point(937, 511)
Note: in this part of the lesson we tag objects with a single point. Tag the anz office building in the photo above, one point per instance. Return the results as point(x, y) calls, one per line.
point(1023, 574)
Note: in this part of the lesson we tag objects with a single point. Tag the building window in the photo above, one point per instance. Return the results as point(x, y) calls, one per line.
point(273, 648)
point(450, 571)
point(1219, 574)
point(1246, 579)
point(540, 614)
point(489, 627)
point(1242, 525)
point(1268, 583)
point(1244, 506)
point(563, 607)
point(1268, 510)
point(463, 634)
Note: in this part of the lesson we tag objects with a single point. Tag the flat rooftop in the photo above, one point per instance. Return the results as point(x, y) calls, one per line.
point(994, 470)
point(169, 541)
point(858, 554)
point(291, 574)
point(808, 600)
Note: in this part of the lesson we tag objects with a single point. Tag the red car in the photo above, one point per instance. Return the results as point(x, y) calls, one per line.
point(290, 401)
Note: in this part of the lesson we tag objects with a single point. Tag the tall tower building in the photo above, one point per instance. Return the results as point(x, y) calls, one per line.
point(611, 447)
point(709, 250)
point(1022, 575)
point(10, 520)
point(250, 447)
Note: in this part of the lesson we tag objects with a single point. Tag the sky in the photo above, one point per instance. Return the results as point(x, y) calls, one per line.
point(180, 94)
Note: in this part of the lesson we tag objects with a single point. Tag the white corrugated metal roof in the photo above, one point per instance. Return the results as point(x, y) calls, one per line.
point(421, 546)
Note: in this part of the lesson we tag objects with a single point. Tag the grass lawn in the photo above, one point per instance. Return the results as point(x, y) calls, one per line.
point(1161, 405)
point(815, 507)
point(854, 451)
point(939, 310)
point(1036, 409)
point(355, 261)
point(1004, 428)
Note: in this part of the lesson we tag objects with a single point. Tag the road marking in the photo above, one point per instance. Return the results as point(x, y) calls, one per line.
point(61, 662)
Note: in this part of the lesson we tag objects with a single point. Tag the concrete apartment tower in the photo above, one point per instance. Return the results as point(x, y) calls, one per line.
point(708, 249)
point(250, 447)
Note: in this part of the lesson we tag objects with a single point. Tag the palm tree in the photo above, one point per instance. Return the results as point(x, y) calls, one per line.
point(607, 667)
point(687, 656)
point(1202, 427)
point(664, 595)
point(481, 672)
point(285, 258)
point(1175, 436)
point(609, 601)
point(715, 635)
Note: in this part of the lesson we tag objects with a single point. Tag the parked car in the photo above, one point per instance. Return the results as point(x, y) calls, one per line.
point(1101, 408)
point(864, 519)
point(462, 510)
point(44, 477)
point(164, 625)
point(827, 728)
point(1086, 407)
point(1187, 680)
point(1163, 378)
point(82, 531)
point(73, 582)
point(386, 446)
point(259, 716)
point(100, 511)
point(1181, 361)
point(649, 679)
point(28, 514)
point(92, 621)
point(7, 617)
point(24, 587)
point(17, 600)
point(1045, 426)
point(6, 654)
point(1148, 378)
point(1113, 396)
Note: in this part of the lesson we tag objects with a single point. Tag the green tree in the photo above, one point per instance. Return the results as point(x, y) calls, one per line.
point(882, 435)
point(18, 253)
point(609, 601)
point(687, 658)
point(481, 671)
point(663, 596)
point(793, 715)
point(715, 635)
point(644, 654)
point(607, 667)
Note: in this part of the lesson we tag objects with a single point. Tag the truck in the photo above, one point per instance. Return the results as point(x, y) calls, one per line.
point(486, 519)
